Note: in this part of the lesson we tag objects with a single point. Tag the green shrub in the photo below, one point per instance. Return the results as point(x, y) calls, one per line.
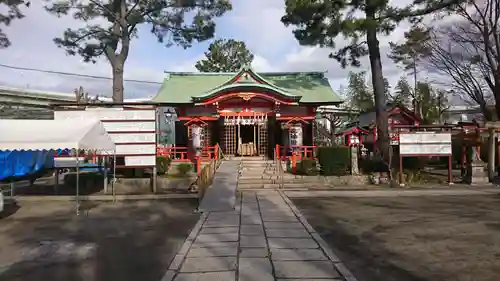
point(184, 168)
point(162, 164)
point(334, 160)
point(369, 166)
point(307, 167)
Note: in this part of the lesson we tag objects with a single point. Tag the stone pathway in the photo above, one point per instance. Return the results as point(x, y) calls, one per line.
point(264, 239)
point(221, 196)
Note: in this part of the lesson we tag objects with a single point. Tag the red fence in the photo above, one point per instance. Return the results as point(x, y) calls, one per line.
point(299, 152)
point(181, 153)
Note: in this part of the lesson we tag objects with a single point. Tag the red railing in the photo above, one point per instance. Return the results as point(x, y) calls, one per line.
point(176, 153)
point(181, 153)
point(299, 152)
point(295, 153)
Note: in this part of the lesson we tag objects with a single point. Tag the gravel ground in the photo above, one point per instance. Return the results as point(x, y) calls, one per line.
point(109, 241)
point(420, 238)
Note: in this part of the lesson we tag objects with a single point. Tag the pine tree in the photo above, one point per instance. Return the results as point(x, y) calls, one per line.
point(166, 18)
point(12, 11)
point(320, 22)
point(225, 56)
point(409, 54)
point(360, 96)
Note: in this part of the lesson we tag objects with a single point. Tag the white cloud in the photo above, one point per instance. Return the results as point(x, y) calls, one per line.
point(261, 64)
point(255, 22)
point(33, 47)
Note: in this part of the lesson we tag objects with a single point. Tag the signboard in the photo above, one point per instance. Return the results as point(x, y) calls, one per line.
point(425, 143)
point(132, 130)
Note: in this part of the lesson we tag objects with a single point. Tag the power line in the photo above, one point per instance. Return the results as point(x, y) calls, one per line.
point(75, 74)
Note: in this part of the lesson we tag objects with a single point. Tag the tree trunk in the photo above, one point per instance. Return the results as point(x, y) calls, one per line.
point(497, 99)
point(118, 82)
point(487, 114)
point(378, 89)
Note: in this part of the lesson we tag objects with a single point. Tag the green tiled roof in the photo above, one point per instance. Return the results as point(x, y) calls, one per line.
point(307, 87)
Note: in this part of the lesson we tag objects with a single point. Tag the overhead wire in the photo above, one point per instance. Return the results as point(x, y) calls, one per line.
point(75, 74)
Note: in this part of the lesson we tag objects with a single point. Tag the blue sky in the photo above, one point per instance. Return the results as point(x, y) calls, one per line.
point(255, 22)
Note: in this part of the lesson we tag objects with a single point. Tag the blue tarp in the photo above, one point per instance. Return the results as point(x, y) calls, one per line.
point(23, 163)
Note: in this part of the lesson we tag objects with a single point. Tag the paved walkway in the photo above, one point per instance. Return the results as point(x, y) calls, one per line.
point(221, 196)
point(264, 239)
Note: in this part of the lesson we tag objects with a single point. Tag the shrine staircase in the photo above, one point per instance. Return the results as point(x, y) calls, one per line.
point(259, 173)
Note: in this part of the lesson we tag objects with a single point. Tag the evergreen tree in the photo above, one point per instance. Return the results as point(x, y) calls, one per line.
point(320, 22)
point(166, 18)
point(403, 92)
point(12, 11)
point(409, 54)
point(433, 102)
point(360, 96)
point(225, 56)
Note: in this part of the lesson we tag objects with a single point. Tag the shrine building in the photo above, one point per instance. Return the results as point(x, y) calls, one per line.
point(246, 113)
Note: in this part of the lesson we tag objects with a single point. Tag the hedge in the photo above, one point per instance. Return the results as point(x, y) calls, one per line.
point(334, 161)
point(162, 164)
point(184, 168)
point(307, 167)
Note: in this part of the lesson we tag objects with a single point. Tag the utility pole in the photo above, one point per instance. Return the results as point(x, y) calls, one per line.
point(440, 95)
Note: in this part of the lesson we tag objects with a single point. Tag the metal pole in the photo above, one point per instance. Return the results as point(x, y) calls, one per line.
point(114, 176)
point(77, 182)
point(439, 108)
point(105, 171)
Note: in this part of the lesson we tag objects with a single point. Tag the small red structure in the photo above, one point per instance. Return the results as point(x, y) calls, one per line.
point(398, 115)
point(353, 135)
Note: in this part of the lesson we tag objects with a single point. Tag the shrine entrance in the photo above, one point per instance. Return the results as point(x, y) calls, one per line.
point(247, 140)
point(245, 136)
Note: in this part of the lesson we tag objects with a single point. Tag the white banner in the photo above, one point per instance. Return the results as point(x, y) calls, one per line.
point(125, 127)
point(425, 143)
point(424, 137)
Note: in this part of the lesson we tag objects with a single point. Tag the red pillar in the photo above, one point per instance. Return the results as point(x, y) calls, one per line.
point(312, 127)
point(198, 165)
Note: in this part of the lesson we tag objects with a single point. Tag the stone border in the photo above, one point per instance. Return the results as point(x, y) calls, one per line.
point(36, 198)
point(389, 192)
point(176, 263)
point(344, 271)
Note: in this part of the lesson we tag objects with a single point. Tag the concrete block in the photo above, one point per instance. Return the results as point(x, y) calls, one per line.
point(214, 244)
point(251, 230)
point(253, 219)
point(209, 264)
point(288, 233)
point(292, 243)
point(214, 230)
point(217, 237)
point(255, 269)
point(168, 276)
point(176, 262)
point(305, 269)
point(225, 221)
point(207, 276)
point(253, 241)
point(283, 225)
point(297, 254)
point(314, 279)
point(254, 252)
point(213, 252)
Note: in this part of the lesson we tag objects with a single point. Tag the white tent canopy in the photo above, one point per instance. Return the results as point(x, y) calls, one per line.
point(54, 134)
